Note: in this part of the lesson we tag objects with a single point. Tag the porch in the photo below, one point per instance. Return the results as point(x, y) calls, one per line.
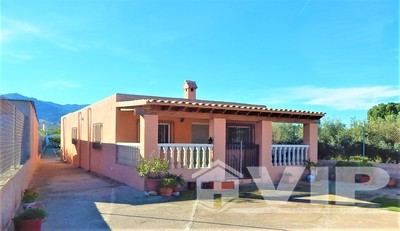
point(183, 156)
point(192, 135)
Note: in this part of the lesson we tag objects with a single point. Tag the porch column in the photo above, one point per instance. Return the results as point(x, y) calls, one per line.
point(264, 140)
point(149, 136)
point(218, 133)
point(310, 137)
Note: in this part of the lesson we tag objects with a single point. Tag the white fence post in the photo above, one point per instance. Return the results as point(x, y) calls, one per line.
point(286, 154)
point(194, 155)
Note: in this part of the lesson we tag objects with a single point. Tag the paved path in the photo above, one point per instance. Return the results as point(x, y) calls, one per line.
point(78, 200)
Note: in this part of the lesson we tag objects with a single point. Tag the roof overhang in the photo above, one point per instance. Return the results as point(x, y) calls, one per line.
point(151, 106)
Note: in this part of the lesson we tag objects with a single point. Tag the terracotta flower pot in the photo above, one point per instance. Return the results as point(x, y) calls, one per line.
point(28, 225)
point(366, 179)
point(152, 184)
point(166, 192)
point(392, 183)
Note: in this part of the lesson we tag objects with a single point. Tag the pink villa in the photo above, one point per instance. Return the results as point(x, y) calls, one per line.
point(110, 136)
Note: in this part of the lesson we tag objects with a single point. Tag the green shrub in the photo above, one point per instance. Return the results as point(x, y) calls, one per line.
point(30, 197)
point(344, 163)
point(152, 169)
point(32, 213)
point(179, 179)
point(168, 183)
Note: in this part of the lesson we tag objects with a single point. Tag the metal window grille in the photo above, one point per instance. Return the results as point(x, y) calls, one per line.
point(237, 134)
point(97, 135)
point(74, 135)
point(164, 131)
point(128, 154)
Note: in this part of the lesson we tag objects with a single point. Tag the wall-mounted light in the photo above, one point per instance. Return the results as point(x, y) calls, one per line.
point(182, 119)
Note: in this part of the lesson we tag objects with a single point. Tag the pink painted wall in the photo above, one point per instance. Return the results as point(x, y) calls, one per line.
point(310, 137)
point(218, 132)
point(102, 161)
point(11, 189)
point(127, 127)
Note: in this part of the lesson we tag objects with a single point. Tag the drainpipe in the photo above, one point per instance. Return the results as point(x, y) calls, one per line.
point(79, 138)
point(63, 143)
point(89, 121)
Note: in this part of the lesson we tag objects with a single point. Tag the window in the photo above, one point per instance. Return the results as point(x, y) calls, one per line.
point(74, 135)
point(97, 135)
point(164, 131)
point(240, 134)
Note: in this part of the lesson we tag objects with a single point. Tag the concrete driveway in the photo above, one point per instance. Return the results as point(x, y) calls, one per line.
point(78, 200)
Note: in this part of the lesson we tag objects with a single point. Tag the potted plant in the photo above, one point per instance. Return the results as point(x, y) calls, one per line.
point(167, 186)
point(311, 168)
point(29, 199)
point(180, 181)
point(392, 183)
point(288, 177)
point(30, 219)
point(364, 178)
point(31, 190)
point(152, 171)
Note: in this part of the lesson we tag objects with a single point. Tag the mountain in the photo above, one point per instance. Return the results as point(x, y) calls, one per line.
point(48, 111)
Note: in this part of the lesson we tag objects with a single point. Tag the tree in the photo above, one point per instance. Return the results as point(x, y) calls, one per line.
point(383, 110)
point(286, 133)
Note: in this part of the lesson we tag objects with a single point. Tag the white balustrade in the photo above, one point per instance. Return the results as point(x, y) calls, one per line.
point(128, 153)
point(285, 154)
point(187, 155)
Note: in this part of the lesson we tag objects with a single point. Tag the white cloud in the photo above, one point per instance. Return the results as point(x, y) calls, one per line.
point(60, 84)
point(16, 57)
point(356, 98)
point(13, 30)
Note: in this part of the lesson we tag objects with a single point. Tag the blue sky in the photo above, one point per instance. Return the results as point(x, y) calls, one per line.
point(336, 56)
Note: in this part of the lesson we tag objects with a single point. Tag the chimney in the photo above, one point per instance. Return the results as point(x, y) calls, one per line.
point(189, 89)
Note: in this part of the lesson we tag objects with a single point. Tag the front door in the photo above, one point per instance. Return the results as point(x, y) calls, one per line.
point(200, 133)
point(241, 152)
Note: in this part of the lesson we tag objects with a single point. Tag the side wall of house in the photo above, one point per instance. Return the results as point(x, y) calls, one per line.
point(11, 189)
point(99, 160)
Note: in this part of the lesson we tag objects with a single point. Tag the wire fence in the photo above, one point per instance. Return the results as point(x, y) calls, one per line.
point(11, 137)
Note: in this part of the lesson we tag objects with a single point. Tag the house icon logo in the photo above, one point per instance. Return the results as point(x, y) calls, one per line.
point(217, 186)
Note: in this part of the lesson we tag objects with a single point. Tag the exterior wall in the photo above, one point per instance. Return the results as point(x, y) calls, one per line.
point(126, 126)
point(148, 136)
point(102, 161)
point(218, 133)
point(310, 137)
point(11, 189)
point(127, 129)
point(182, 130)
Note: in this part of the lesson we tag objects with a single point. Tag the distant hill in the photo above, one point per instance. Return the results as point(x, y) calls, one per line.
point(47, 111)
